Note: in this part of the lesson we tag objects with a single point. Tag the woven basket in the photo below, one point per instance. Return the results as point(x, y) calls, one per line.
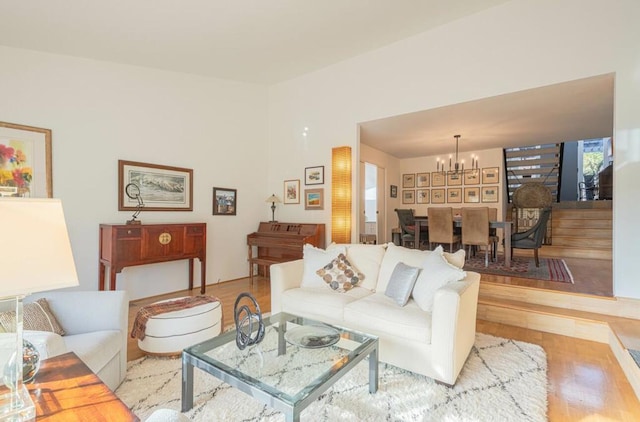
point(532, 195)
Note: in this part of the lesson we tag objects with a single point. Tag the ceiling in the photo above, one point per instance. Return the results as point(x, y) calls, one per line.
point(248, 40)
point(569, 111)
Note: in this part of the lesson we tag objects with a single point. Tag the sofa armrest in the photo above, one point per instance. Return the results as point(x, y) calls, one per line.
point(284, 276)
point(454, 325)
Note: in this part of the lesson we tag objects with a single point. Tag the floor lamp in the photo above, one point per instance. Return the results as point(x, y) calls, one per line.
point(35, 256)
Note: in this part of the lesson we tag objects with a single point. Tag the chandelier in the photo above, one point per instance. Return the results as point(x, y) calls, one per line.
point(455, 167)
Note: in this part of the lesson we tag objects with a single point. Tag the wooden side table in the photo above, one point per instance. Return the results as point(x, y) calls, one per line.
point(65, 389)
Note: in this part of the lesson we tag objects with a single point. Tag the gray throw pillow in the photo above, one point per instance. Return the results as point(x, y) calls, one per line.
point(401, 283)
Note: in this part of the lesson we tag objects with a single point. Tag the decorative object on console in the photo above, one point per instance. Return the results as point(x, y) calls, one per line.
point(274, 200)
point(314, 175)
point(25, 160)
point(341, 194)
point(225, 201)
point(164, 188)
point(133, 192)
point(314, 199)
point(38, 257)
point(245, 318)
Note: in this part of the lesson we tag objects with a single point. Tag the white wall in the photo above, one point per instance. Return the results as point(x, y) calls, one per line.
point(515, 46)
point(101, 112)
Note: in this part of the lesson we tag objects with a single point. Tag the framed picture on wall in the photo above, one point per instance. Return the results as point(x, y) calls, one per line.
point(454, 179)
point(490, 194)
point(314, 199)
point(224, 201)
point(489, 175)
point(454, 195)
point(437, 196)
point(472, 195)
point(472, 177)
point(408, 196)
point(422, 196)
point(438, 179)
point(422, 180)
point(314, 175)
point(161, 188)
point(292, 191)
point(393, 191)
point(409, 180)
point(25, 161)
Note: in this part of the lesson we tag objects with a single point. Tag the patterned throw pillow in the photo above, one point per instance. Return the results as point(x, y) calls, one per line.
point(340, 275)
point(36, 316)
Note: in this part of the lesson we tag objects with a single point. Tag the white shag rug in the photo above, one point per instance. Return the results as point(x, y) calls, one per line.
point(502, 380)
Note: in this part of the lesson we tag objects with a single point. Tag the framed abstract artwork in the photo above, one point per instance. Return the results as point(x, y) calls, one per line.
point(25, 161)
point(292, 191)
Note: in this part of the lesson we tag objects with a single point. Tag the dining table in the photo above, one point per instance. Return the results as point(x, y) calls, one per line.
point(423, 221)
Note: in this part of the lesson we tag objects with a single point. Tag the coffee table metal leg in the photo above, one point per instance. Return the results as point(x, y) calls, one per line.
point(373, 371)
point(187, 384)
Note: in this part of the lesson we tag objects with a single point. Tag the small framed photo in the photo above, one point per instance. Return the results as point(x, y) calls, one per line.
point(422, 180)
point(409, 180)
point(437, 196)
point(422, 196)
point(489, 175)
point(438, 179)
point(292, 191)
point(472, 177)
point(490, 194)
point(472, 195)
point(454, 195)
point(161, 188)
point(314, 199)
point(224, 201)
point(408, 196)
point(25, 161)
point(454, 179)
point(314, 175)
point(393, 191)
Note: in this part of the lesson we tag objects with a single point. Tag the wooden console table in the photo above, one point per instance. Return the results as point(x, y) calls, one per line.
point(127, 245)
point(65, 389)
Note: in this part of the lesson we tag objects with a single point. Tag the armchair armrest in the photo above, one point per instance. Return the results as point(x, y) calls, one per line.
point(284, 276)
point(454, 325)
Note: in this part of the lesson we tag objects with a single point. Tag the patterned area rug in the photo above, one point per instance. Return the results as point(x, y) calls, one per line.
point(502, 380)
point(551, 269)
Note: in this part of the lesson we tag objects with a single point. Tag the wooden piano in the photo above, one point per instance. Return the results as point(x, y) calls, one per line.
point(281, 242)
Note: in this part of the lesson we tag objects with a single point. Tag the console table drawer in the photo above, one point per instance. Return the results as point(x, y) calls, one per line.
point(129, 233)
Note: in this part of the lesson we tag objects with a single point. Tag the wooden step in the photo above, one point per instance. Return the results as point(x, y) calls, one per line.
point(581, 214)
point(585, 232)
point(552, 251)
point(580, 242)
point(565, 223)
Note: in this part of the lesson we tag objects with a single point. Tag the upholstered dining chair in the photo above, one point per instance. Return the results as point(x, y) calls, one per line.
point(408, 227)
point(532, 238)
point(475, 231)
point(441, 227)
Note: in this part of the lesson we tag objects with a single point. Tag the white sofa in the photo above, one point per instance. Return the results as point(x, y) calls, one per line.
point(95, 325)
point(433, 343)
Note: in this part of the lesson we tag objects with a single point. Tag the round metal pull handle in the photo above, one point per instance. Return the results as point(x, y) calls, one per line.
point(164, 238)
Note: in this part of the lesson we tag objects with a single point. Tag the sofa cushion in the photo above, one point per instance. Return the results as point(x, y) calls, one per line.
point(314, 258)
point(436, 272)
point(36, 316)
point(320, 303)
point(367, 259)
point(378, 313)
point(96, 348)
point(401, 283)
point(340, 275)
point(47, 343)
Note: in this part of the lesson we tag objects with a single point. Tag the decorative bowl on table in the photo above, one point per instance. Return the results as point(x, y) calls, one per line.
point(312, 336)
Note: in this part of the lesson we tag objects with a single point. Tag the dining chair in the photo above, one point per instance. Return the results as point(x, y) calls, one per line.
point(475, 231)
point(441, 227)
point(408, 227)
point(532, 238)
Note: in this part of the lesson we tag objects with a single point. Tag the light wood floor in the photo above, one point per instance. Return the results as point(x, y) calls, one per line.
point(586, 382)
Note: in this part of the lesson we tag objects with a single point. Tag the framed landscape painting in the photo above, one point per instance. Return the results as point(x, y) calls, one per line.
point(314, 199)
point(225, 201)
point(25, 161)
point(314, 175)
point(162, 188)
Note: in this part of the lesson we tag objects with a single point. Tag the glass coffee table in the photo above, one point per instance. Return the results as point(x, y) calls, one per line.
point(289, 369)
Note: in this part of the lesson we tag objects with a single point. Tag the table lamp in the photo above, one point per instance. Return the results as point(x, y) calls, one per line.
point(273, 199)
point(35, 256)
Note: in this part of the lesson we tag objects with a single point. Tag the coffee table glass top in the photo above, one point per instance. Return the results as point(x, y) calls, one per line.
point(279, 367)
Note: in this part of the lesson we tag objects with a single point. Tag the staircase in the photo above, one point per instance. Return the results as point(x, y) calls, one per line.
point(540, 163)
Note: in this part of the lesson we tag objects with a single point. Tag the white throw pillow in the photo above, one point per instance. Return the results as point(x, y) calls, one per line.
point(436, 272)
point(315, 258)
point(394, 255)
point(367, 259)
point(456, 258)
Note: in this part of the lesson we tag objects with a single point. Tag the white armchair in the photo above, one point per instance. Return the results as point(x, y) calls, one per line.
point(95, 325)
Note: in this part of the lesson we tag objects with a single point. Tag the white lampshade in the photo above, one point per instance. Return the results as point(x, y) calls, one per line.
point(35, 252)
point(273, 198)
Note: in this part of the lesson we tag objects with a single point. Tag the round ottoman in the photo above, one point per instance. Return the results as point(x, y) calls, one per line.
point(170, 332)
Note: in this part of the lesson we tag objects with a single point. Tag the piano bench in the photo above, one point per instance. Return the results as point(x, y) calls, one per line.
point(265, 261)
